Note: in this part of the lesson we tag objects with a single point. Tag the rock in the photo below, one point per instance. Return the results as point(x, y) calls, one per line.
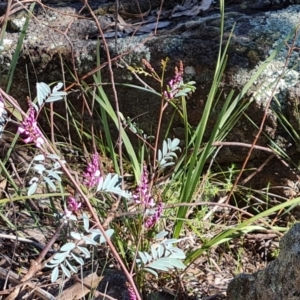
point(285, 2)
point(114, 285)
point(280, 280)
point(259, 27)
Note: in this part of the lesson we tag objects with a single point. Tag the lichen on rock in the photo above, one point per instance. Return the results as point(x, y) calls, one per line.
point(284, 70)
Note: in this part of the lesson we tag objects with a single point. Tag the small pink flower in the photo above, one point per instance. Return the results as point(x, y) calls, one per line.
point(30, 130)
point(152, 220)
point(131, 292)
point(142, 196)
point(92, 176)
point(73, 205)
point(174, 84)
point(67, 214)
point(142, 193)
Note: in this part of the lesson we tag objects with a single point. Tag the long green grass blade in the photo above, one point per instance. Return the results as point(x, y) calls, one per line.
point(197, 163)
point(105, 104)
point(18, 50)
point(226, 120)
point(232, 232)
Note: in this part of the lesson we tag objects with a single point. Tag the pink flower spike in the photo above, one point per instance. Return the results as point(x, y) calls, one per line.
point(131, 292)
point(21, 130)
point(142, 193)
point(67, 213)
point(73, 205)
point(92, 176)
point(152, 220)
point(174, 84)
point(30, 129)
point(39, 142)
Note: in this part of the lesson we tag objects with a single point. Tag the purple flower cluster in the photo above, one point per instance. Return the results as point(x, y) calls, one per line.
point(151, 220)
point(174, 84)
point(143, 197)
point(142, 193)
point(30, 129)
point(92, 176)
point(131, 292)
point(73, 206)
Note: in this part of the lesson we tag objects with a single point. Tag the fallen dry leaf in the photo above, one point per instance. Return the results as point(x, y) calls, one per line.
point(79, 290)
point(193, 10)
point(205, 5)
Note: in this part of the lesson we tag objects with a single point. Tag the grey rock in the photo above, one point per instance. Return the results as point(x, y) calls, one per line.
point(285, 2)
point(194, 40)
point(280, 280)
point(113, 285)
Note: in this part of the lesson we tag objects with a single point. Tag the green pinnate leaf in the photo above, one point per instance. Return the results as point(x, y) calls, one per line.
point(76, 235)
point(158, 265)
point(54, 274)
point(77, 258)
point(161, 234)
point(85, 251)
point(143, 257)
point(154, 252)
point(67, 247)
point(166, 156)
point(109, 233)
point(50, 183)
point(32, 188)
point(45, 95)
point(112, 184)
point(65, 270)
point(70, 266)
point(43, 91)
point(151, 271)
point(86, 222)
point(89, 241)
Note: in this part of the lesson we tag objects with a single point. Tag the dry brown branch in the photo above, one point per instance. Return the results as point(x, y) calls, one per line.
point(16, 279)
